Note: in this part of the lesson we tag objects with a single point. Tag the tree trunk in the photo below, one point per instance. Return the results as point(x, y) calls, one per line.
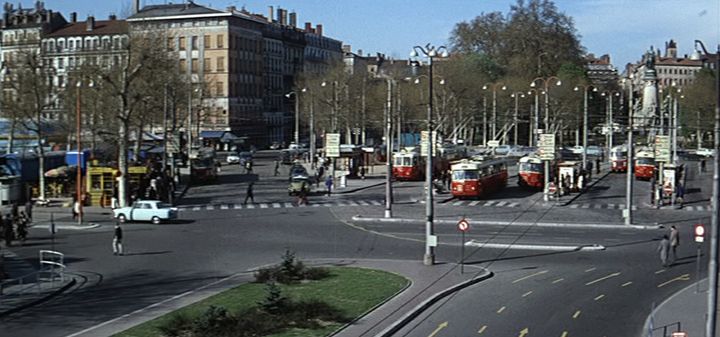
point(11, 136)
point(122, 162)
point(138, 142)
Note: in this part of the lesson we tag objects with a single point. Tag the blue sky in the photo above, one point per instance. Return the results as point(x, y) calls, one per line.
point(622, 28)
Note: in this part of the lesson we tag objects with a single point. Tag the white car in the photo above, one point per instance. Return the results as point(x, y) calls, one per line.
point(154, 211)
point(502, 150)
point(705, 152)
point(233, 159)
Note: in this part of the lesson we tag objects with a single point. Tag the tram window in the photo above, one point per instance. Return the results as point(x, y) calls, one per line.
point(646, 161)
point(465, 175)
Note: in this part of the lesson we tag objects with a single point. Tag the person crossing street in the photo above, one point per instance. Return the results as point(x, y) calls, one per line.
point(117, 240)
point(249, 193)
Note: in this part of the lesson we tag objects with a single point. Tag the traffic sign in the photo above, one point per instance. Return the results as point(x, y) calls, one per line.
point(662, 148)
point(547, 146)
point(332, 144)
point(699, 233)
point(424, 139)
point(493, 143)
point(463, 225)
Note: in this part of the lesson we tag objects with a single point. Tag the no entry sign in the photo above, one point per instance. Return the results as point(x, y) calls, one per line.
point(463, 225)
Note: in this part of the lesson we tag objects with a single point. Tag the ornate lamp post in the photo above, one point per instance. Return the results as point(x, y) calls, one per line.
point(516, 95)
point(608, 94)
point(585, 89)
point(494, 87)
point(430, 52)
point(546, 82)
point(535, 120)
point(78, 139)
point(710, 327)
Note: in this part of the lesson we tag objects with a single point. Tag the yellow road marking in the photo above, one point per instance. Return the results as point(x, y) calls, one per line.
point(501, 310)
point(626, 284)
point(523, 332)
point(576, 315)
point(684, 277)
point(529, 276)
point(527, 293)
point(564, 334)
point(482, 329)
point(589, 270)
point(660, 271)
point(599, 297)
point(558, 280)
point(441, 326)
point(603, 278)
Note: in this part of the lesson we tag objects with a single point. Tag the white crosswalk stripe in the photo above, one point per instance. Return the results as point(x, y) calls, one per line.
point(474, 203)
point(237, 206)
point(364, 203)
point(585, 206)
point(490, 203)
point(513, 204)
point(574, 205)
point(597, 206)
point(263, 205)
point(376, 203)
point(458, 203)
point(611, 206)
point(289, 205)
point(224, 206)
point(501, 204)
point(335, 203)
point(210, 207)
point(250, 206)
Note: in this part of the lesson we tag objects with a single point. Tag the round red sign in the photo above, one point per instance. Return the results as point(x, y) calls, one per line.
point(463, 225)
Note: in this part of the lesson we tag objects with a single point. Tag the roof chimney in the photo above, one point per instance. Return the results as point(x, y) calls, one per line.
point(318, 29)
point(90, 23)
point(282, 16)
point(136, 6)
point(73, 17)
point(308, 27)
point(293, 19)
point(49, 16)
point(112, 17)
point(271, 14)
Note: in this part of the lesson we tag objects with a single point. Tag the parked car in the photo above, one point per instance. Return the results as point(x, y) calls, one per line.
point(502, 150)
point(233, 159)
point(245, 157)
point(705, 152)
point(154, 211)
point(275, 146)
point(298, 170)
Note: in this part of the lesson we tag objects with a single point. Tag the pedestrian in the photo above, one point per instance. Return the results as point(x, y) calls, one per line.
point(663, 249)
point(674, 241)
point(8, 231)
point(14, 210)
point(680, 194)
point(75, 209)
point(22, 228)
point(277, 168)
point(702, 165)
point(302, 195)
point(362, 172)
point(249, 193)
point(581, 182)
point(248, 167)
point(117, 240)
point(590, 169)
point(329, 184)
point(597, 165)
point(652, 190)
point(29, 209)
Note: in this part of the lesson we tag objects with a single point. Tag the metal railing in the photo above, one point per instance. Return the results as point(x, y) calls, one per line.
point(665, 329)
point(52, 269)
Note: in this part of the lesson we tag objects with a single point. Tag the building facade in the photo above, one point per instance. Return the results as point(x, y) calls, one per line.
point(600, 71)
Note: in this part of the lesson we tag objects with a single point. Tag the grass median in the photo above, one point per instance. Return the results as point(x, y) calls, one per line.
point(353, 291)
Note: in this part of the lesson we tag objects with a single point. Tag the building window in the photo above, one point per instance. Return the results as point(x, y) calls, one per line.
point(183, 65)
point(195, 65)
point(170, 45)
point(220, 41)
point(182, 43)
point(220, 64)
point(194, 43)
point(206, 41)
point(206, 65)
point(219, 90)
point(61, 63)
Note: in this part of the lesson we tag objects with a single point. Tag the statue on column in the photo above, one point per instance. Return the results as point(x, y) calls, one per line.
point(648, 113)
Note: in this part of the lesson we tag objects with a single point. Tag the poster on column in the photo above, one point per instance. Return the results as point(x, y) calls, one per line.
point(332, 145)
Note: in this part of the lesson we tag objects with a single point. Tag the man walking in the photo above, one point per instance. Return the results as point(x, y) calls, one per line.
point(28, 209)
point(249, 193)
point(663, 249)
point(117, 240)
point(277, 168)
point(329, 184)
point(674, 241)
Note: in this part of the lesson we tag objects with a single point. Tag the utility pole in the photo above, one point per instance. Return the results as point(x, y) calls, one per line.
point(630, 163)
point(388, 144)
point(713, 263)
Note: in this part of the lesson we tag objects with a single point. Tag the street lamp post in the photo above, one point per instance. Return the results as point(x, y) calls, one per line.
point(585, 121)
point(430, 241)
point(608, 94)
point(516, 95)
point(296, 134)
point(535, 120)
point(78, 139)
point(710, 326)
point(546, 174)
point(630, 160)
point(493, 130)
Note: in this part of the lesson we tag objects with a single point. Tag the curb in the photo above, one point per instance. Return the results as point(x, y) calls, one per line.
point(420, 308)
point(586, 188)
point(359, 218)
point(671, 297)
point(71, 227)
point(335, 191)
point(40, 300)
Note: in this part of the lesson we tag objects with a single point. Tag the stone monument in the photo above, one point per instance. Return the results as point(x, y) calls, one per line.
point(647, 115)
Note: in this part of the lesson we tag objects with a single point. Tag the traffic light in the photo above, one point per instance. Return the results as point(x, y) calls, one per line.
point(699, 232)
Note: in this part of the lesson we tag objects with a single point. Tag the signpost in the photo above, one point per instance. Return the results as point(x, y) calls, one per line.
point(463, 226)
point(547, 153)
point(662, 149)
point(699, 233)
point(424, 143)
point(332, 145)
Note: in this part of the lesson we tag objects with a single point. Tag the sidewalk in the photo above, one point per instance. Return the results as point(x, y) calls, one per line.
point(375, 176)
point(683, 311)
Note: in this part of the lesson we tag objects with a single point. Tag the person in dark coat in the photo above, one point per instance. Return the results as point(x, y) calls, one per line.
point(117, 240)
point(249, 193)
point(28, 209)
point(8, 231)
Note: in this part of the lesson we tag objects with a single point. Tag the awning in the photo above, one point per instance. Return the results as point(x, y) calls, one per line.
point(212, 134)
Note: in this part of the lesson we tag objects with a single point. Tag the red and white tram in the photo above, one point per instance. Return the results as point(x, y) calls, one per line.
point(475, 179)
point(531, 172)
point(408, 165)
point(618, 159)
point(645, 165)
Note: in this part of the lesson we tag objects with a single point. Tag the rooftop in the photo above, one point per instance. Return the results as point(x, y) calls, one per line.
point(169, 10)
point(103, 27)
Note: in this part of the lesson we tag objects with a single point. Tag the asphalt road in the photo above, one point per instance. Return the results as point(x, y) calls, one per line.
point(544, 290)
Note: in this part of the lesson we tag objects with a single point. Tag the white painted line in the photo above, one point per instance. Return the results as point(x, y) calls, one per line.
point(376, 203)
point(237, 206)
point(224, 206)
point(611, 206)
point(353, 203)
point(514, 204)
point(585, 206)
point(574, 206)
point(210, 207)
point(328, 204)
point(458, 203)
point(474, 203)
point(490, 203)
point(561, 248)
point(315, 205)
point(196, 208)
point(364, 203)
point(597, 206)
point(289, 205)
point(603, 278)
point(250, 206)
point(263, 205)
point(501, 204)
point(276, 205)
point(634, 208)
point(340, 203)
